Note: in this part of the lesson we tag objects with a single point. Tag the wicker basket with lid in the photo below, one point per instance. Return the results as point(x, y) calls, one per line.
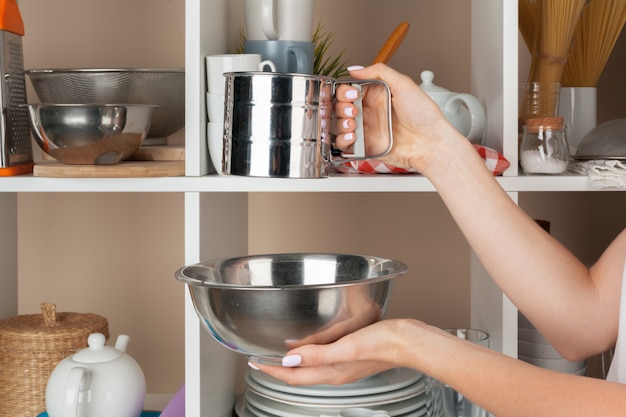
point(31, 346)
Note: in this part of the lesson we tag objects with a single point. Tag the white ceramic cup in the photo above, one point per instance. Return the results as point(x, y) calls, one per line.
point(290, 20)
point(217, 65)
point(215, 107)
point(215, 142)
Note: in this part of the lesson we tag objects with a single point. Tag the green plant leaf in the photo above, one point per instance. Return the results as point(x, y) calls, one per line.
point(323, 62)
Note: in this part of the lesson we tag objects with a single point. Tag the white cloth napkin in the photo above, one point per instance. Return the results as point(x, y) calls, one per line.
point(604, 173)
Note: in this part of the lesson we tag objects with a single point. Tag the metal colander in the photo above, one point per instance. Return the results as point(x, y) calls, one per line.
point(162, 87)
point(605, 141)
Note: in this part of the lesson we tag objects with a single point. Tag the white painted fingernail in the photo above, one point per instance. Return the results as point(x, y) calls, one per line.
point(352, 94)
point(348, 137)
point(355, 67)
point(348, 111)
point(292, 360)
point(346, 124)
point(253, 366)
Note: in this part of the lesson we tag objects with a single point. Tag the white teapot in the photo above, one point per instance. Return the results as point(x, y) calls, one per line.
point(98, 381)
point(463, 111)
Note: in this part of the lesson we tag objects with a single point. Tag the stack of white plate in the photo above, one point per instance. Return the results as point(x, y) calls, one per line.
point(399, 392)
point(533, 348)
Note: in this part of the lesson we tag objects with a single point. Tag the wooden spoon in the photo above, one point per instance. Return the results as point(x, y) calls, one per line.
point(392, 43)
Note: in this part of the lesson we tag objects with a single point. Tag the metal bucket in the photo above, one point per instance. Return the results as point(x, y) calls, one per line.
point(278, 125)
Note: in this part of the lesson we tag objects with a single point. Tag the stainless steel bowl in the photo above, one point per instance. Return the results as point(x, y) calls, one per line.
point(164, 87)
point(263, 305)
point(90, 134)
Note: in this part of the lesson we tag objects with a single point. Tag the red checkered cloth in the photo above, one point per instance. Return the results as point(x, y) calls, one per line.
point(495, 162)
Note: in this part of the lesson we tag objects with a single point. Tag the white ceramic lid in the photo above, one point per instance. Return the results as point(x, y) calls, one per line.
point(427, 83)
point(97, 351)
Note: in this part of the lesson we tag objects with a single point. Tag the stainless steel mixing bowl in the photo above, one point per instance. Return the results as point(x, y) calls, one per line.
point(88, 134)
point(164, 87)
point(263, 305)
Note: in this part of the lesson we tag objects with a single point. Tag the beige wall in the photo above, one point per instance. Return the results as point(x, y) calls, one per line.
point(108, 253)
point(115, 254)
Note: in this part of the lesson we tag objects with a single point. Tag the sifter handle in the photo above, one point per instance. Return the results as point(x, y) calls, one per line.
point(359, 144)
point(359, 141)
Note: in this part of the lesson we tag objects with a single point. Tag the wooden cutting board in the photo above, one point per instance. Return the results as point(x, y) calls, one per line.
point(125, 169)
point(148, 153)
point(159, 153)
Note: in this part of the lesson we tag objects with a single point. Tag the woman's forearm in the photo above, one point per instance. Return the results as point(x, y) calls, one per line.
point(541, 276)
point(505, 386)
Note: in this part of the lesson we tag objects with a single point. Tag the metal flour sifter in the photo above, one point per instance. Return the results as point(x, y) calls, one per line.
point(16, 155)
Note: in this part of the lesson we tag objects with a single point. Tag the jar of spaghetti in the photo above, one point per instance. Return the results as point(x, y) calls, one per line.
point(544, 148)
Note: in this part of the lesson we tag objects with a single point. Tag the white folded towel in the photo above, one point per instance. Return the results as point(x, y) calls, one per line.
point(603, 173)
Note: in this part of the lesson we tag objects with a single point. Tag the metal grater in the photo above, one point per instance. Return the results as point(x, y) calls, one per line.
point(15, 141)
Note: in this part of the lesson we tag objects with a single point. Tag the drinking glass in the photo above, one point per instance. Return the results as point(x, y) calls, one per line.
point(444, 401)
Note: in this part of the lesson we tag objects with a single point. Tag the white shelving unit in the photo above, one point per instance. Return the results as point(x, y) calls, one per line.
point(339, 183)
point(494, 81)
point(216, 207)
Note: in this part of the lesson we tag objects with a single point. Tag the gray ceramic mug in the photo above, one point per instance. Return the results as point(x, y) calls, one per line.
point(288, 56)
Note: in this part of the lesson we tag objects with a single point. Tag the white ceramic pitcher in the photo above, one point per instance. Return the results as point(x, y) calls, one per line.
point(463, 111)
point(98, 381)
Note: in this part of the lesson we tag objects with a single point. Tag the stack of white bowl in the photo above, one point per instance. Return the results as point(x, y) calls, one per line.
point(216, 67)
point(215, 113)
point(533, 348)
point(398, 392)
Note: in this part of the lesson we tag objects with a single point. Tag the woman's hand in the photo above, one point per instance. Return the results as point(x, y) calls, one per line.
point(367, 351)
point(383, 345)
point(419, 127)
